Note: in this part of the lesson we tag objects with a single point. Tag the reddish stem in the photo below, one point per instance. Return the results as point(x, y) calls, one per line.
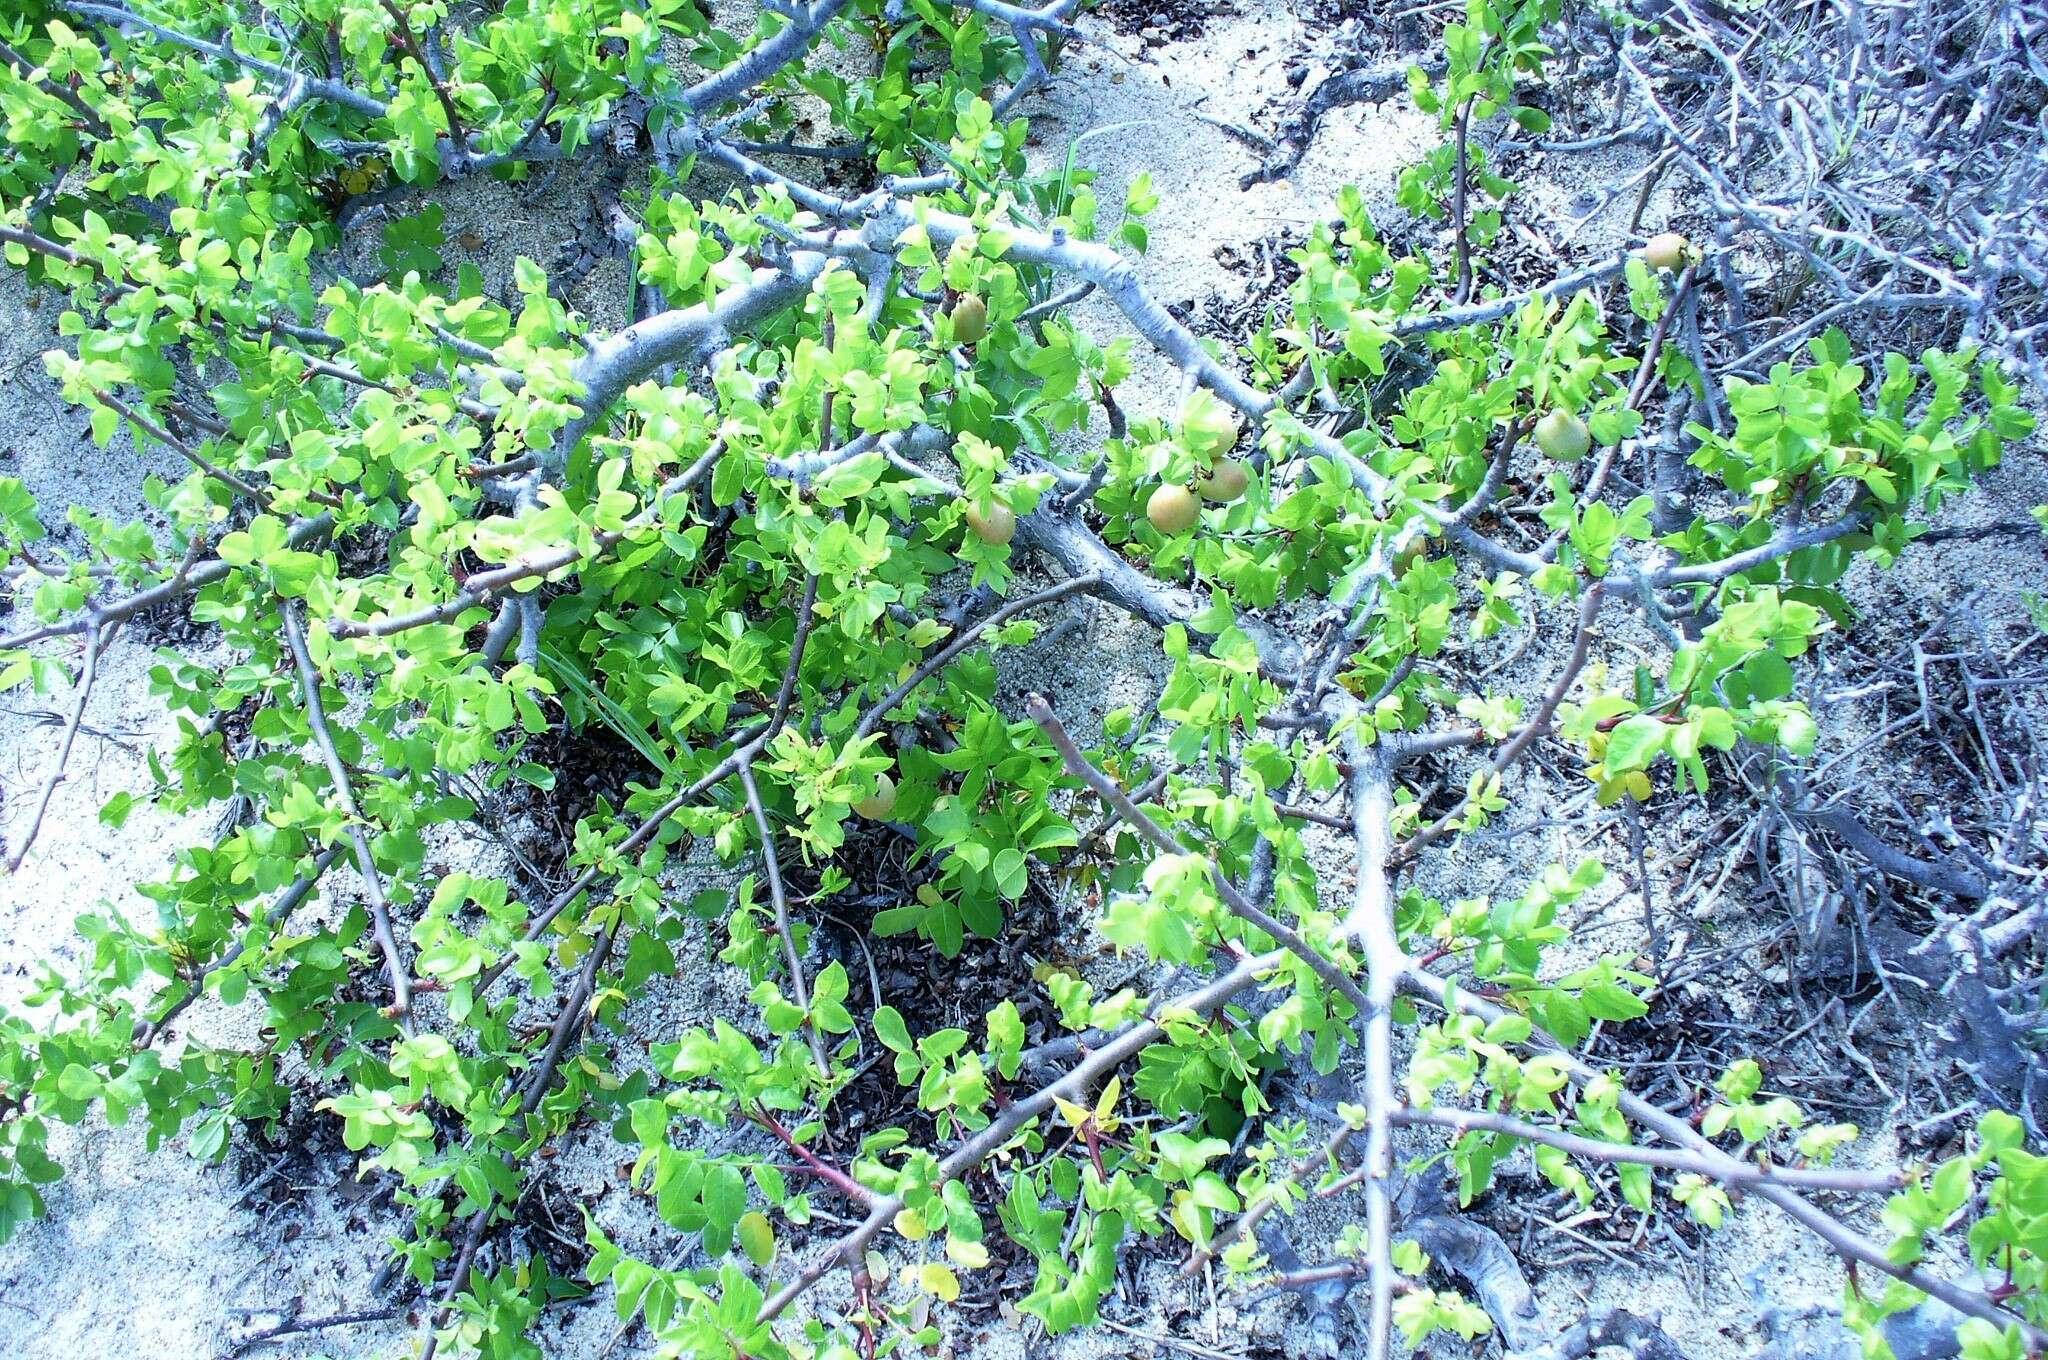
point(824, 1171)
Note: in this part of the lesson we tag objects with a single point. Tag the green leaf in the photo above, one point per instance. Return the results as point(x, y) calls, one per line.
point(1606, 1001)
point(891, 1030)
point(757, 1238)
point(76, 1082)
point(725, 1196)
point(1633, 744)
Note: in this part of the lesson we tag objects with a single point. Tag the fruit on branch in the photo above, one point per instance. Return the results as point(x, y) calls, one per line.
point(1666, 250)
point(877, 806)
point(1173, 509)
point(1410, 557)
point(1563, 436)
point(1224, 482)
point(970, 320)
point(995, 528)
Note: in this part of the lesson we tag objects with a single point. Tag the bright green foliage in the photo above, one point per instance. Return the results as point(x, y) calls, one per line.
point(738, 563)
point(1499, 41)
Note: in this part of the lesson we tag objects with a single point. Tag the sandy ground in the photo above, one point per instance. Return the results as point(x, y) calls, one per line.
point(158, 1255)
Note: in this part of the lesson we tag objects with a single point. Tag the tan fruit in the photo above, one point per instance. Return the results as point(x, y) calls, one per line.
point(1563, 436)
point(1173, 509)
point(1406, 560)
point(1666, 250)
point(997, 527)
point(1226, 481)
point(970, 319)
point(877, 806)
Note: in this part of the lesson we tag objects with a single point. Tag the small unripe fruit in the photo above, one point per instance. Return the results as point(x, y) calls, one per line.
point(877, 806)
point(1563, 436)
point(1667, 250)
point(1225, 482)
point(970, 319)
point(1406, 560)
point(995, 528)
point(1173, 509)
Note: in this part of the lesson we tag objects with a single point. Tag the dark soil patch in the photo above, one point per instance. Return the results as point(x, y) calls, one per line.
point(1675, 1052)
point(304, 1150)
point(592, 766)
point(1266, 273)
point(168, 624)
point(551, 1223)
point(364, 553)
point(931, 991)
point(1163, 20)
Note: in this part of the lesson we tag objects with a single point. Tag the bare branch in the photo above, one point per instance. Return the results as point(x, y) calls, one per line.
point(1716, 1167)
point(287, 902)
point(64, 94)
point(1511, 750)
point(344, 793)
point(411, 46)
point(330, 91)
point(772, 864)
point(95, 643)
point(1428, 987)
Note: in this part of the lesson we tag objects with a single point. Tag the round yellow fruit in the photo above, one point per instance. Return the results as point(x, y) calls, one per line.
point(970, 319)
point(877, 806)
point(1667, 250)
point(1225, 482)
point(995, 528)
point(1173, 509)
point(1408, 557)
point(1563, 436)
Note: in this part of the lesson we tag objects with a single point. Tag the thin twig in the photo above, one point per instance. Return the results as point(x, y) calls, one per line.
point(575, 1012)
point(771, 862)
point(293, 1325)
point(966, 638)
point(56, 90)
point(1460, 174)
point(287, 902)
point(411, 47)
point(1511, 750)
point(95, 643)
point(1717, 1166)
point(344, 793)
